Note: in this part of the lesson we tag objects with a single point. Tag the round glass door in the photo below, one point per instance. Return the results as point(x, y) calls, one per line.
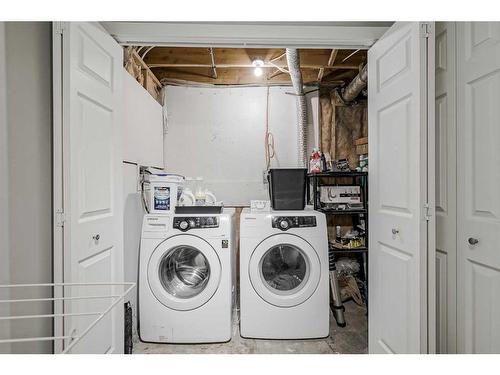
point(284, 270)
point(184, 272)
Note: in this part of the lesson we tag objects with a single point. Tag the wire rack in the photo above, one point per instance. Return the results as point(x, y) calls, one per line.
point(59, 289)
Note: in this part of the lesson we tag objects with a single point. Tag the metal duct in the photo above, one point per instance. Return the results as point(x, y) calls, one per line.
point(293, 61)
point(352, 90)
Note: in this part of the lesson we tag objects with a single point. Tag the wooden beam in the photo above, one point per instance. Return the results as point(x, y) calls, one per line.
point(331, 61)
point(351, 55)
point(266, 65)
point(144, 66)
point(276, 72)
point(212, 58)
point(230, 76)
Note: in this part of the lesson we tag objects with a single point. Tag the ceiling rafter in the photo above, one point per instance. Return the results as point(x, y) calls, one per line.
point(331, 62)
point(228, 66)
point(242, 66)
point(213, 67)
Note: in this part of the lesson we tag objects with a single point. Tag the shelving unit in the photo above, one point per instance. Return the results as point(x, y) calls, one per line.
point(316, 180)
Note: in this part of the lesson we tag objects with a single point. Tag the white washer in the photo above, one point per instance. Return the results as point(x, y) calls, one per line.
point(186, 278)
point(284, 290)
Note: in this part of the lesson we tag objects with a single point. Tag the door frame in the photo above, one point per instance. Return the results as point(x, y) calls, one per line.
point(348, 35)
point(345, 35)
point(57, 179)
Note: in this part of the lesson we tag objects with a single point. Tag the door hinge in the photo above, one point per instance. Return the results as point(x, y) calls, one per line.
point(428, 211)
point(60, 218)
point(425, 30)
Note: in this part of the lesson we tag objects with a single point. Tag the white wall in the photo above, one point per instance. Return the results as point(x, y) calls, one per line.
point(143, 145)
point(142, 127)
point(218, 133)
point(29, 175)
point(132, 224)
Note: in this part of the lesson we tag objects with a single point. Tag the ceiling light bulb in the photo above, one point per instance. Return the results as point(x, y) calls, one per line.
point(258, 71)
point(258, 63)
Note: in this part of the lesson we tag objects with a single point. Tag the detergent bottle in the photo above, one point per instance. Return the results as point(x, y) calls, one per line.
point(315, 161)
point(199, 194)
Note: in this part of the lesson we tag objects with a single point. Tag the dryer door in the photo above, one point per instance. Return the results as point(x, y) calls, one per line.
point(284, 270)
point(184, 272)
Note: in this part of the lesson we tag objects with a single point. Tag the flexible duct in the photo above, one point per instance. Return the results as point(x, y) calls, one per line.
point(293, 61)
point(352, 90)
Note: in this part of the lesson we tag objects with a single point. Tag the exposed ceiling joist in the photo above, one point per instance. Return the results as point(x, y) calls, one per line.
point(241, 66)
point(351, 55)
point(275, 73)
point(212, 58)
point(331, 61)
point(234, 66)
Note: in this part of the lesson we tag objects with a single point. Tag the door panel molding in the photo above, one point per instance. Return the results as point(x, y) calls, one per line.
point(401, 143)
point(478, 183)
point(87, 180)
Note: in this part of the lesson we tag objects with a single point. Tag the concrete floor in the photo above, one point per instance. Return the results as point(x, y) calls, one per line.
point(353, 339)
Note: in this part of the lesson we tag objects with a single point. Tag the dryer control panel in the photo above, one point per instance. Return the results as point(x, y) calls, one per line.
point(195, 222)
point(287, 222)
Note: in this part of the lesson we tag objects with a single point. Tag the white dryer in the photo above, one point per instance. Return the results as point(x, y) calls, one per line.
point(186, 278)
point(284, 290)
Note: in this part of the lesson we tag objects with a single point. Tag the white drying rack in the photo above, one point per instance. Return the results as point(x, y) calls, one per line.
point(115, 299)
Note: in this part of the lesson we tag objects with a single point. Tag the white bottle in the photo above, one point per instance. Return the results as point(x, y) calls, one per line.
point(199, 195)
point(210, 199)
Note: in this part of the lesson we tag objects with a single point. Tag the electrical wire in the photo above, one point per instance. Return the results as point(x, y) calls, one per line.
point(269, 137)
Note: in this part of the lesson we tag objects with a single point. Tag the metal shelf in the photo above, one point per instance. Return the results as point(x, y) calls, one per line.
point(342, 212)
point(356, 250)
point(338, 174)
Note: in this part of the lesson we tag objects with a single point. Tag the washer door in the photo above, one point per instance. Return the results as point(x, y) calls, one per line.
point(184, 272)
point(284, 270)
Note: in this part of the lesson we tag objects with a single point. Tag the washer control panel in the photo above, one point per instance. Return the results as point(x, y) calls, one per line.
point(287, 222)
point(195, 222)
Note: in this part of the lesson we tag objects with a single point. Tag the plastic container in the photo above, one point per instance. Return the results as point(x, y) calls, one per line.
point(287, 188)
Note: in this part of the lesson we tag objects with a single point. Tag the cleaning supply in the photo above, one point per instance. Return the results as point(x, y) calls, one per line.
point(324, 168)
point(315, 161)
point(338, 234)
point(187, 198)
point(162, 191)
point(328, 160)
point(199, 194)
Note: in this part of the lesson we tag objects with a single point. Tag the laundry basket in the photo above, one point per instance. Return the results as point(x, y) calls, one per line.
point(287, 188)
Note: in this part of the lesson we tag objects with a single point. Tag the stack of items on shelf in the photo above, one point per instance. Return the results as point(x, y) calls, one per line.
point(341, 198)
point(320, 162)
point(348, 238)
point(349, 278)
point(362, 151)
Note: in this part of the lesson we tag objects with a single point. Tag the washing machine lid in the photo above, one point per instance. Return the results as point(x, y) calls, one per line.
point(184, 272)
point(284, 270)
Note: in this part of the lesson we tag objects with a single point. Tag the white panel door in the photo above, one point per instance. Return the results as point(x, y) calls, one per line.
point(446, 189)
point(401, 143)
point(478, 222)
point(93, 231)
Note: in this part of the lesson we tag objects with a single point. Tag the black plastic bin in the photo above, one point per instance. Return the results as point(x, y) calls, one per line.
point(287, 188)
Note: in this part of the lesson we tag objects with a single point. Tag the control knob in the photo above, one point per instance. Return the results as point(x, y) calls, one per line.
point(284, 224)
point(183, 225)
